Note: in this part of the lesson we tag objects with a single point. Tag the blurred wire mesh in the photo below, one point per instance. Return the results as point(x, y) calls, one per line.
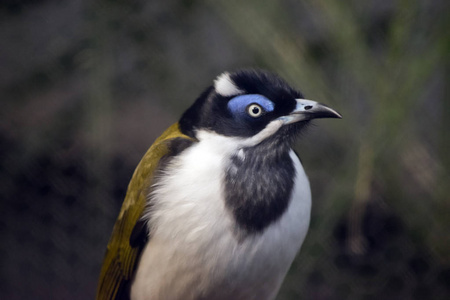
point(86, 86)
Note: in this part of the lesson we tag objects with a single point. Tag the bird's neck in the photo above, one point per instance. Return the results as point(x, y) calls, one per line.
point(258, 185)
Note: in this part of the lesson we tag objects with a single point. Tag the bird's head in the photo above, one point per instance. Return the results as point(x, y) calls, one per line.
point(254, 106)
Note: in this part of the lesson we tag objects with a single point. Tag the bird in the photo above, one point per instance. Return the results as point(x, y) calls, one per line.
point(220, 204)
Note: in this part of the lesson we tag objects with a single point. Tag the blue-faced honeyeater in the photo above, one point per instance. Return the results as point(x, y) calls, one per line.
point(220, 204)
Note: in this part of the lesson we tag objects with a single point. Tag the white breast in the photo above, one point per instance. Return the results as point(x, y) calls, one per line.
point(194, 253)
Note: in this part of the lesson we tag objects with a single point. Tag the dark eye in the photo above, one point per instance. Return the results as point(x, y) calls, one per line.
point(254, 110)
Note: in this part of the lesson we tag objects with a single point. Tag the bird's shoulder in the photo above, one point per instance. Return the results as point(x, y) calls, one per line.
point(126, 240)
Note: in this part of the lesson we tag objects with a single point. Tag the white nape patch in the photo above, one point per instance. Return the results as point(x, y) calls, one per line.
point(225, 86)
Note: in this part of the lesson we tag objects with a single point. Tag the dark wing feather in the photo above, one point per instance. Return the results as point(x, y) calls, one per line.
point(120, 259)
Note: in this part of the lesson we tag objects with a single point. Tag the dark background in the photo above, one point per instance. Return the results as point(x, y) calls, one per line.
point(86, 86)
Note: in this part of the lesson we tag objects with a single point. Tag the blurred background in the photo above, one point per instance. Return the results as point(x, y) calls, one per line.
point(86, 86)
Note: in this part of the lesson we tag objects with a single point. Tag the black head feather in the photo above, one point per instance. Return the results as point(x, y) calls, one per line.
point(211, 112)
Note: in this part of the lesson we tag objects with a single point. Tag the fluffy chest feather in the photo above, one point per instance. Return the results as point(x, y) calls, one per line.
point(196, 251)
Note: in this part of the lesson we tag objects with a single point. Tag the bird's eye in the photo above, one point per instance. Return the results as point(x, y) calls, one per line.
point(254, 110)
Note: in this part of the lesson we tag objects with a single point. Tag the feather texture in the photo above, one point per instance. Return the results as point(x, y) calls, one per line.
point(197, 249)
point(121, 258)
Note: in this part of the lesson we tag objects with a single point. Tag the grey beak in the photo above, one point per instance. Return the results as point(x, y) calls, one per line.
point(307, 110)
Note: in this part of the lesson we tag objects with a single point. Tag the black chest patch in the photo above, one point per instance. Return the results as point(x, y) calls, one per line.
point(258, 186)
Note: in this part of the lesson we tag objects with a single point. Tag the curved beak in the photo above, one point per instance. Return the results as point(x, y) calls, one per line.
point(307, 110)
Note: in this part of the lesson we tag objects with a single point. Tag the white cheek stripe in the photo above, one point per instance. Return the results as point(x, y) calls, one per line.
point(233, 144)
point(225, 86)
point(268, 131)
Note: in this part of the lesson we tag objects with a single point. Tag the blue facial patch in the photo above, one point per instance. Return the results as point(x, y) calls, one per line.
point(238, 104)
